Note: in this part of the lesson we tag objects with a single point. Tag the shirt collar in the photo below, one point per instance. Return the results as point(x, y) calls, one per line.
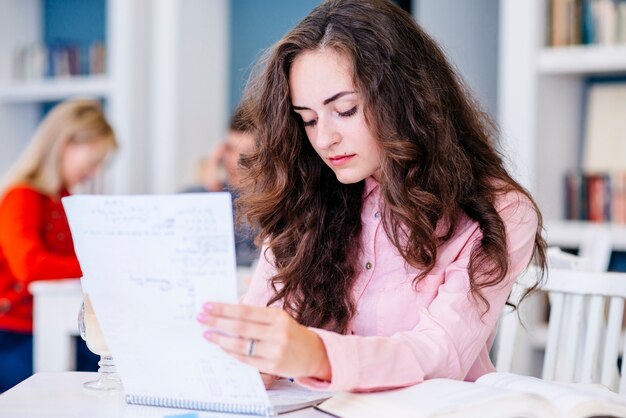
point(370, 185)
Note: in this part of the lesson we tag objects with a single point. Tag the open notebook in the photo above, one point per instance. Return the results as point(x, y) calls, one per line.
point(494, 395)
point(149, 263)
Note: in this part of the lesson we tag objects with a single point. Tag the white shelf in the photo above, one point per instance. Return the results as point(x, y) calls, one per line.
point(54, 89)
point(568, 234)
point(583, 60)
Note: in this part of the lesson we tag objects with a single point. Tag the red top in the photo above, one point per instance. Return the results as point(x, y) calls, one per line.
point(35, 244)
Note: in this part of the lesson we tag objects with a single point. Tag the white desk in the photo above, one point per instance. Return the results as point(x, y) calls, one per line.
point(61, 395)
point(55, 323)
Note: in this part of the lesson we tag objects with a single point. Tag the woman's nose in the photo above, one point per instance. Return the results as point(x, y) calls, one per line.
point(327, 134)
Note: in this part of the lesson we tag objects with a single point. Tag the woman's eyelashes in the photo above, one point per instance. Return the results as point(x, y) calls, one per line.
point(311, 122)
point(345, 114)
point(348, 113)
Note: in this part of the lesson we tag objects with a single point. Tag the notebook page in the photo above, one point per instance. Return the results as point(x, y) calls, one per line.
point(149, 263)
point(288, 396)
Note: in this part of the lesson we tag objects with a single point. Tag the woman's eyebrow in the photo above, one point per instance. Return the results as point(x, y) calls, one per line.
point(329, 100)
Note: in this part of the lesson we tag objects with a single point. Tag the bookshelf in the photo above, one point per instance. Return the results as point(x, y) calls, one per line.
point(541, 98)
point(567, 234)
point(54, 89)
point(541, 101)
point(582, 60)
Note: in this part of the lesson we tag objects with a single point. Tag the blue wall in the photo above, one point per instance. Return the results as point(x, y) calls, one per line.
point(255, 26)
point(81, 22)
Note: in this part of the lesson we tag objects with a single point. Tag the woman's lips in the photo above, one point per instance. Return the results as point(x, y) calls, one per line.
point(340, 159)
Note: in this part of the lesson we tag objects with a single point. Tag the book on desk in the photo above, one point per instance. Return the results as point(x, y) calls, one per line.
point(494, 395)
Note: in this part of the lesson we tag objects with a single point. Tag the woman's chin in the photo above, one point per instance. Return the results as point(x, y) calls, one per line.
point(347, 178)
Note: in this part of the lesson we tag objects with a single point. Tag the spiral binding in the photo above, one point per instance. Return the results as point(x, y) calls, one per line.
point(255, 409)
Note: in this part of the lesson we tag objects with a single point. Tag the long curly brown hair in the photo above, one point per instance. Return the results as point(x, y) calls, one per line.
point(439, 160)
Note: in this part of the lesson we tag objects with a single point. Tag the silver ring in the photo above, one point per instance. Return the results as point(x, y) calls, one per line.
point(251, 343)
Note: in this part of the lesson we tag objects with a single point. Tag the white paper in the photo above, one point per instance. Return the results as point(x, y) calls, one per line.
point(288, 396)
point(149, 263)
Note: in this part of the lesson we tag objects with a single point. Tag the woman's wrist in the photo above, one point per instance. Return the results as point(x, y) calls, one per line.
point(320, 365)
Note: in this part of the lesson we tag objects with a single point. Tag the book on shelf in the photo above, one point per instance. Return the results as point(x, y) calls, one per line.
point(595, 197)
point(565, 22)
point(494, 395)
point(149, 264)
point(97, 58)
point(599, 198)
point(576, 22)
point(58, 59)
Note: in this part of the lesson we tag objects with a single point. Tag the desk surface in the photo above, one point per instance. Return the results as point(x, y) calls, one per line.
point(61, 395)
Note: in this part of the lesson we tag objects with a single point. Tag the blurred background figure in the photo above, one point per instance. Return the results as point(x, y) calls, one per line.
point(69, 147)
point(220, 171)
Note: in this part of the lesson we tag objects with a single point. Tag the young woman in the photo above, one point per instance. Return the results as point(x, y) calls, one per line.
point(392, 232)
point(69, 147)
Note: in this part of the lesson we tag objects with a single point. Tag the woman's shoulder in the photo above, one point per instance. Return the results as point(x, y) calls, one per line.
point(21, 192)
point(511, 200)
point(518, 212)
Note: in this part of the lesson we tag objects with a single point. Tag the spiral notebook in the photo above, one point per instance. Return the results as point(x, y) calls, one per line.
point(149, 263)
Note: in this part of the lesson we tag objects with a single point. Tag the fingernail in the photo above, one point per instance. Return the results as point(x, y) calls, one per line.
point(201, 317)
point(207, 307)
point(207, 335)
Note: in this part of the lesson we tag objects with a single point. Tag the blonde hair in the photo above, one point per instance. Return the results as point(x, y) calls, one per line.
point(78, 121)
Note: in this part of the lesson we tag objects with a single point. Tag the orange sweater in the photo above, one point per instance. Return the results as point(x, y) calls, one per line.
point(35, 244)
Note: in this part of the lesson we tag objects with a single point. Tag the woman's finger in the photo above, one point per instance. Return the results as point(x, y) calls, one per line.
point(235, 327)
point(248, 347)
point(260, 314)
point(236, 348)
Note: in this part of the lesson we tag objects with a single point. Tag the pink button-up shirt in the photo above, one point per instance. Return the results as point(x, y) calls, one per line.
point(402, 335)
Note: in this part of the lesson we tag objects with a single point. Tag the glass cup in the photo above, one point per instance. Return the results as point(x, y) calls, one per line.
point(90, 331)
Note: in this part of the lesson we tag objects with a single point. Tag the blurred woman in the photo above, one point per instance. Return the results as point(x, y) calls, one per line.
point(69, 147)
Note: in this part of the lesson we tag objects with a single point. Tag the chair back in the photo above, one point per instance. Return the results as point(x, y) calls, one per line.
point(584, 336)
point(594, 241)
point(509, 342)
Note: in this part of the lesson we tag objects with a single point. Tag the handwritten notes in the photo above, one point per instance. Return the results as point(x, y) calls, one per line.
point(149, 263)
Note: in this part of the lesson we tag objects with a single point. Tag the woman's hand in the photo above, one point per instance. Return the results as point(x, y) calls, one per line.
point(266, 338)
point(268, 379)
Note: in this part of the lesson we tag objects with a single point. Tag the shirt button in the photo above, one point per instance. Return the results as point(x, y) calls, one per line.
point(61, 236)
point(377, 215)
point(368, 266)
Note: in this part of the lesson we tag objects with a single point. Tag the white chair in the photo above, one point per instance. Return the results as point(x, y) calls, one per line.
point(592, 240)
point(530, 344)
point(581, 303)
